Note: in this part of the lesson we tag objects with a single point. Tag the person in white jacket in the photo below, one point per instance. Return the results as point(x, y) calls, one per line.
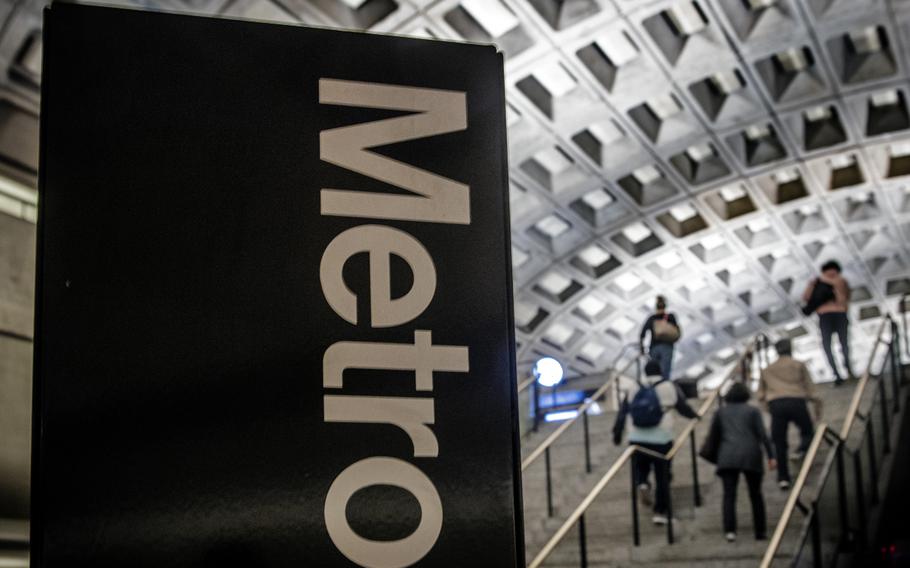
point(652, 429)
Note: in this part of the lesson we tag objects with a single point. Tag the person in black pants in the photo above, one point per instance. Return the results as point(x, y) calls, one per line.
point(829, 297)
point(735, 443)
point(786, 386)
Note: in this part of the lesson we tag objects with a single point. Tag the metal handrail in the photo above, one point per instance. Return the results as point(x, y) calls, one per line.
point(524, 385)
point(582, 409)
point(626, 456)
point(823, 429)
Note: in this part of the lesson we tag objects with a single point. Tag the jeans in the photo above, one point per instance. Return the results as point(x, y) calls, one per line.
point(831, 323)
point(643, 464)
point(783, 412)
point(730, 478)
point(663, 354)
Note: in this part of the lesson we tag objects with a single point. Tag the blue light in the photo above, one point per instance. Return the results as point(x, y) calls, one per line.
point(548, 372)
point(561, 415)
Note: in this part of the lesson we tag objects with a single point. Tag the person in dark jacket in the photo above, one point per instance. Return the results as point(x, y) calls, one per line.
point(735, 443)
point(660, 349)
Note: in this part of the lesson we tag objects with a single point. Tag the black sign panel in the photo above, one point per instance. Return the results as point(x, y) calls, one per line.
point(274, 309)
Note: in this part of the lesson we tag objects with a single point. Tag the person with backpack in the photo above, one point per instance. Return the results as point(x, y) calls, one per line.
point(665, 332)
point(647, 404)
point(734, 444)
point(785, 387)
point(829, 297)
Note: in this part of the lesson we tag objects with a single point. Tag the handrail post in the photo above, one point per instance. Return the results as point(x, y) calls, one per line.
point(587, 442)
point(582, 542)
point(815, 528)
point(549, 484)
point(695, 483)
point(894, 355)
point(842, 490)
point(636, 535)
point(860, 503)
point(886, 421)
point(873, 461)
point(666, 472)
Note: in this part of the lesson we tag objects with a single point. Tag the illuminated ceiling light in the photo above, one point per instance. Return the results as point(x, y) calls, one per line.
point(786, 176)
point(559, 335)
point(519, 257)
point(623, 325)
point(756, 5)
point(597, 199)
point(816, 113)
point(618, 48)
point(866, 40)
point(683, 212)
point(808, 210)
point(731, 193)
point(553, 160)
point(842, 161)
point(793, 60)
point(591, 306)
point(548, 372)
point(636, 232)
point(663, 106)
point(758, 225)
point(606, 132)
point(700, 152)
point(628, 282)
point(737, 268)
point(885, 98)
point(646, 175)
point(555, 79)
point(712, 242)
point(552, 226)
point(592, 351)
point(594, 255)
point(727, 82)
point(492, 15)
point(554, 283)
point(758, 131)
point(686, 18)
point(669, 260)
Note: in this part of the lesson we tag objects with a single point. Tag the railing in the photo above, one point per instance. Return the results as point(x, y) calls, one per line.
point(582, 413)
point(838, 514)
point(741, 370)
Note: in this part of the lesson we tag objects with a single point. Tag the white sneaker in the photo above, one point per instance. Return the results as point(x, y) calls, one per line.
point(660, 519)
point(730, 536)
point(644, 495)
point(783, 484)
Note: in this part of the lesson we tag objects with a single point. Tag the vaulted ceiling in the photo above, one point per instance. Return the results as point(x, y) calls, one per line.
point(714, 151)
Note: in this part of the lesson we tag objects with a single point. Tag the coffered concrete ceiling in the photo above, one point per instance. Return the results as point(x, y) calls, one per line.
point(714, 151)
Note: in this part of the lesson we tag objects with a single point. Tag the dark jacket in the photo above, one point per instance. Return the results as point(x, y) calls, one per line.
point(736, 437)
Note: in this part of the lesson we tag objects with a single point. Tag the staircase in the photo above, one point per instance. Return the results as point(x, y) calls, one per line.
point(698, 531)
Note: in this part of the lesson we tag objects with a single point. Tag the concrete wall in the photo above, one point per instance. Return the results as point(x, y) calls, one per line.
point(17, 282)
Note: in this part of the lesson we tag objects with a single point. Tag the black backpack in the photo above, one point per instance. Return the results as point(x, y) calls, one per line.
point(645, 408)
point(822, 293)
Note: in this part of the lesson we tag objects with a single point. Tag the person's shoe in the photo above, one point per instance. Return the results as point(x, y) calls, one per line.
point(784, 484)
point(761, 537)
point(644, 494)
point(838, 382)
point(660, 519)
point(730, 536)
point(798, 455)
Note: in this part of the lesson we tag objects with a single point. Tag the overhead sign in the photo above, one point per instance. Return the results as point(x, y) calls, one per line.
point(274, 321)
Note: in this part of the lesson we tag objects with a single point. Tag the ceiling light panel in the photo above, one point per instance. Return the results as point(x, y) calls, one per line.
point(710, 135)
